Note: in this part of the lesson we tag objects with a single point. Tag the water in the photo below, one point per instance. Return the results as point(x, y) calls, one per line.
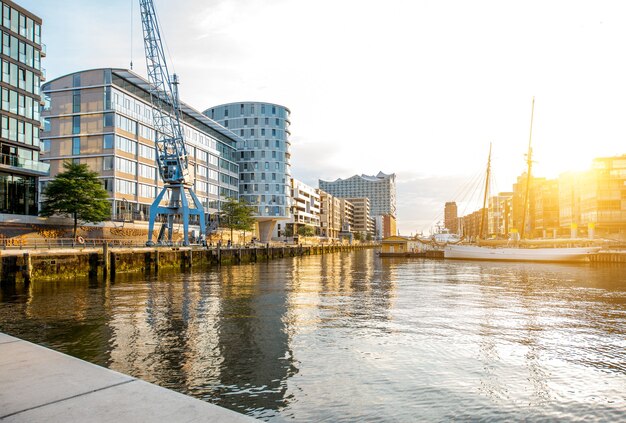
point(351, 337)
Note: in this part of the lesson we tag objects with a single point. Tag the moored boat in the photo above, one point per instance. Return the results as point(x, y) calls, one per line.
point(558, 254)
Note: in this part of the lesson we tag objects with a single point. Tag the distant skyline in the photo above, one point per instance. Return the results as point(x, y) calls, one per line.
point(416, 88)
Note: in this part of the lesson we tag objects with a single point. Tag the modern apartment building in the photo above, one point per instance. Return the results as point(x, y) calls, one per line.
point(380, 189)
point(363, 222)
point(498, 215)
point(451, 218)
point(305, 207)
point(546, 216)
point(103, 117)
point(263, 157)
point(20, 55)
point(330, 215)
point(603, 198)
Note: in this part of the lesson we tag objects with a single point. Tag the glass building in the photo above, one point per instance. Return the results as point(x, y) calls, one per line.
point(21, 52)
point(263, 157)
point(103, 117)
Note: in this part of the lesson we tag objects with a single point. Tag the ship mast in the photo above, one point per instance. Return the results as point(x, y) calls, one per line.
point(484, 210)
point(529, 163)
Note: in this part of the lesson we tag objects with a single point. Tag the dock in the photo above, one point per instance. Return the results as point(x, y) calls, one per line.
point(41, 385)
point(105, 261)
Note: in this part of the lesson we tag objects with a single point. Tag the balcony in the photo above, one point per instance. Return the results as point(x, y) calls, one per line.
point(44, 50)
point(22, 164)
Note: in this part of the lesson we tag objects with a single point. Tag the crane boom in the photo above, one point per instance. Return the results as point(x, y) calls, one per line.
point(171, 152)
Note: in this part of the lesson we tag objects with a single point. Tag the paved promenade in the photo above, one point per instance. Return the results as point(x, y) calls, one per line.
point(41, 385)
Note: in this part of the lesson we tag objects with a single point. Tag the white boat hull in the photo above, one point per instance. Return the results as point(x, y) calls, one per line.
point(471, 252)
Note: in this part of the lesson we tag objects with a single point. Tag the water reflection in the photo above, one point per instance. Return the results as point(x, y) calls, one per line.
point(350, 337)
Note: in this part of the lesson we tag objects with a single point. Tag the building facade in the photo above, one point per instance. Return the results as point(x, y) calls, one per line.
point(263, 155)
point(603, 198)
point(380, 189)
point(330, 215)
point(103, 117)
point(20, 165)
point(305, 208)
point(362, 223)
point(451, 217)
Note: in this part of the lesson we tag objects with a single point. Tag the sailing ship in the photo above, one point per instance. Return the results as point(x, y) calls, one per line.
point(517, 252)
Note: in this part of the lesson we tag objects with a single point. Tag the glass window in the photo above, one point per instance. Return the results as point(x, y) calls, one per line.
point(76, 101)
point(75, 146)
point(107, 141)
point(107, 163)
point(75, 124)
point(45, 146)
point(109, 119)
point(76, 80)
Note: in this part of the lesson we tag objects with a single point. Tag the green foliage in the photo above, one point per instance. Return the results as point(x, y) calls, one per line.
point(306, 230)
point(237, 215)
point(78, 193)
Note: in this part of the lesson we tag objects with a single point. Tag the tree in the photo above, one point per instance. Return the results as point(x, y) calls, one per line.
point(306, 230)
point(236, 215)
point(77, 193)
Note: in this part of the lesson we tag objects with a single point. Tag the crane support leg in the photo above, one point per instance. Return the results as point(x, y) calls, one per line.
point(178, 206)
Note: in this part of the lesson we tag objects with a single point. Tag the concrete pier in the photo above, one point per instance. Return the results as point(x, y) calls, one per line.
point(41, 385)
point(29, 265)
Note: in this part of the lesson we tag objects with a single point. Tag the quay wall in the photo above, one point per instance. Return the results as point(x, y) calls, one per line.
point(68, 263)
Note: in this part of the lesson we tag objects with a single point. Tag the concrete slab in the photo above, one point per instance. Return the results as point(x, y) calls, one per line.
point(136, 401)
point(7, 338)
point(41, 385)
point(31, 376)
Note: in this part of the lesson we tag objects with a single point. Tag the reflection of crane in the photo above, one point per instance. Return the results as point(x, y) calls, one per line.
point(171, 153)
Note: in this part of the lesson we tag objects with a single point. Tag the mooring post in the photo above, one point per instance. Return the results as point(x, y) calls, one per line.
point(26, 272)
point(105, 259)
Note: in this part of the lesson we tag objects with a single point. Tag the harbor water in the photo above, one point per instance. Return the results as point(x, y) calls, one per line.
point(353, 337)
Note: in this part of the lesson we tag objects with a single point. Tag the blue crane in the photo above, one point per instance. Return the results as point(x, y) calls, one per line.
point(171, 152)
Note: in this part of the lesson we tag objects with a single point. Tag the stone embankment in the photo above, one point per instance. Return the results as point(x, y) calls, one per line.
point(25, 265)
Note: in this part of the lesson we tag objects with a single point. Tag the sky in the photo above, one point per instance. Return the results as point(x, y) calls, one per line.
point(417, 88)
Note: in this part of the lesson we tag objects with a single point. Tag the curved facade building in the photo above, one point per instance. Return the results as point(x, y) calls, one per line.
point(263, 155)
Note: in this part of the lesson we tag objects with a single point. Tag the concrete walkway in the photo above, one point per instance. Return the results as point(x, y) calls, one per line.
point(41, 385)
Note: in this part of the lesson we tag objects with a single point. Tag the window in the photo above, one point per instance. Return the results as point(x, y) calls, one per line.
point(107, 141)
point(75, 124)
point(107, 163)
point(76, 80)
point(125, 187)
point(273, 132)
point(126, 124)
point(273, 110)
point(226, 123)
point(147, 171)
point(75, 146)
point(126, 166)
point(242, 109)
point(76, 101)
point(147, 191)
point(124, 144)
point(109, 119)
point(226, 112)
point(146, 152)
point(45, 146)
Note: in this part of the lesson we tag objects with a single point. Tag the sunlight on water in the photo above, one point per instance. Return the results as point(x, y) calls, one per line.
point(351, 337)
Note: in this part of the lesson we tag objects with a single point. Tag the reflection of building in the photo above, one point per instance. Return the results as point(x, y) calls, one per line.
point(451, 217)
point(263, 156)
point(21, 55)
point(103, 118)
